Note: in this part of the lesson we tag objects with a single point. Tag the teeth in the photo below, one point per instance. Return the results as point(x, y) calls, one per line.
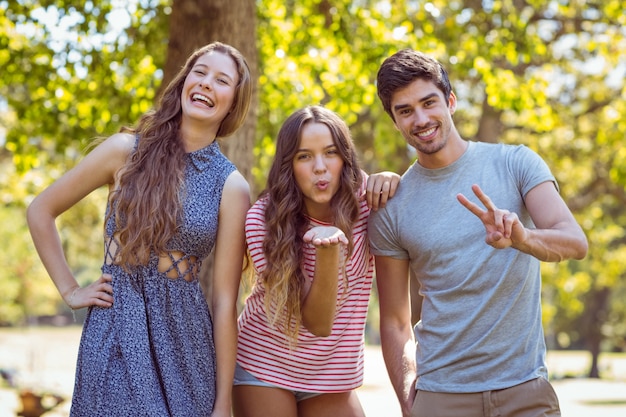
point(426, 132)
point(202, 98)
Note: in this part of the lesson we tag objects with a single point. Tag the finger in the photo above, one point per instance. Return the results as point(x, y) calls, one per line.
point(337, 238)
point(384, 194)
point(509, 220)
point(308, 236)
point(499, 217)
point(322, 242)
point(102, 302)
point(477, 211)
point(106, 297)
point(373, 200)
point(506, 226)
point(372, 191)
point(108, 288)
point(395, 181)
point(332, 240)
point(484, 198)
point(373, 194)
point(493, 237)
point(102, 292)
point(378, 186)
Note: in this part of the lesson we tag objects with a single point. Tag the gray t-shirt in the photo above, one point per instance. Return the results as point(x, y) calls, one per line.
point(480, 326)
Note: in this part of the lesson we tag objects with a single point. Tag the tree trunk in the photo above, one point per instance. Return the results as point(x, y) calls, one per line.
point(490, 126)
point(596, 309)
point(195, 23)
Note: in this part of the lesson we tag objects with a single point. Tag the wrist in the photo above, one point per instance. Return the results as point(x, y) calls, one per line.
point(70, 300)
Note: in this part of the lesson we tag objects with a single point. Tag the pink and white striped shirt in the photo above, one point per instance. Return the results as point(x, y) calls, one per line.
point(315, 364)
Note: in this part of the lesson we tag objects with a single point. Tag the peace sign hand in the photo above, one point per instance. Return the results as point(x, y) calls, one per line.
point(503, 227)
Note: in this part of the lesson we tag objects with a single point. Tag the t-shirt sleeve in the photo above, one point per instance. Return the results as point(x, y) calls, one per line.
point(529, 169)
point(383, 236)
point(255, 233)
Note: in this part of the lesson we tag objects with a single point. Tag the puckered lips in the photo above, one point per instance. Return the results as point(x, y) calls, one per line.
point(322, 185)
point(200, 98)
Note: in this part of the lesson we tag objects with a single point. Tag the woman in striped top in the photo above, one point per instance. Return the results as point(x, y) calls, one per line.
point(301, 333)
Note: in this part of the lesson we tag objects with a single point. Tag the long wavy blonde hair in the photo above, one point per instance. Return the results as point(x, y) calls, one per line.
point(286, 220)
point(147, 201)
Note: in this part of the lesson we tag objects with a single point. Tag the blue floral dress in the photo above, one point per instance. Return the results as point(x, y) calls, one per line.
point(152, 353)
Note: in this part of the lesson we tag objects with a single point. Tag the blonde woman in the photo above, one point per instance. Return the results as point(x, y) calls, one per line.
point(150, 346)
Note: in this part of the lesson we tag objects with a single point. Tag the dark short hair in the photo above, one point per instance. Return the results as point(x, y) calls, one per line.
point(405, 66)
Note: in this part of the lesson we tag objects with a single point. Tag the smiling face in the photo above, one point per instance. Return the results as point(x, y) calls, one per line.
point(423, 116)
point(317, 169)
point(209, 89)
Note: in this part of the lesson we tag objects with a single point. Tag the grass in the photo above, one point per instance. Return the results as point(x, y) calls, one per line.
point(576, 364)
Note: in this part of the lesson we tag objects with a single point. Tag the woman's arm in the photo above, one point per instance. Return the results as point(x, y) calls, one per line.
point(319, 304)
point(98, 168)
point(227, 270)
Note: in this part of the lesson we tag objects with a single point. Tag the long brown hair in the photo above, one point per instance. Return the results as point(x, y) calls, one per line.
point(285, 215)
point(147, 201)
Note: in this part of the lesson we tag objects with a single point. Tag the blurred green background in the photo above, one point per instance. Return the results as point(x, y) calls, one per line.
point(545, 73)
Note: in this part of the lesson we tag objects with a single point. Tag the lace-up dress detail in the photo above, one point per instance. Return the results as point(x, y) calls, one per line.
point(152, 353)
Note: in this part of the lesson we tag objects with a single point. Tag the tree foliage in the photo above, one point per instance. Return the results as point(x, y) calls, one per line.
point(548, 74)
point(70, 74)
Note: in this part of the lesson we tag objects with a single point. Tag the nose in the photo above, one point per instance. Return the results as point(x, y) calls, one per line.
point(205, 83)
point(320, 164)
point(421, 118)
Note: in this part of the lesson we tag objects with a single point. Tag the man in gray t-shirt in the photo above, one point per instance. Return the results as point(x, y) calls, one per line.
point(479, 347)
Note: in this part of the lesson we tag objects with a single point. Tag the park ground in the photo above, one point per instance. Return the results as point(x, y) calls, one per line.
point(43, 359)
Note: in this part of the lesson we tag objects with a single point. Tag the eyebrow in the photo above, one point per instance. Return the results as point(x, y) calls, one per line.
point(423, 99)
point(198, 64)
point(308, 150)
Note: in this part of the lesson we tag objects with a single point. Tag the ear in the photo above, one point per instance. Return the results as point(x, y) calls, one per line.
point(452, 102)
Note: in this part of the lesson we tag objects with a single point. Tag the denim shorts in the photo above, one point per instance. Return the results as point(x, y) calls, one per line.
point(243, 377)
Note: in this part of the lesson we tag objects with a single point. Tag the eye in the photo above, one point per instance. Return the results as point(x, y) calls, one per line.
point(302, 156)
